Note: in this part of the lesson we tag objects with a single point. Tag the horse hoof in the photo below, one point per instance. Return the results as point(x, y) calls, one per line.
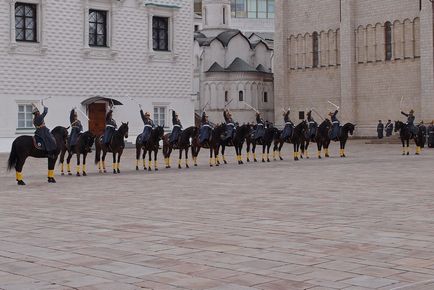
point(268, 160)
point(319, 157)
point(51, 180)
point(156, 169)
point(119, 171)
point(186, 166)
point(115, 172)
point(255, 160)
point(344, 156)
point(105, 171)
point(218, 164)
point(210, 165)
point(78, 174)
point(307, 157)
point(281, 159)
point(69, 173)
point(149, 169)
point(296, 159)
point(20, 182)
point(179, 167)
point(63, 174)
point(241, 162)
point(137, 168)
point(408, 153)
point(225, 162)
point(195, 165)
point(327, 156)
point(84, 174)
point(248, 160)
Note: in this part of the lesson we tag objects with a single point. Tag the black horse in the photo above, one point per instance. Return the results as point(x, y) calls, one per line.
point(344, 132)
point(116, 146)
point(25, 146)
point(213, 144)
point(266, 141)
point(84, 146)
point(183, 144)
point(321, 139)
point(153, 145)
point(406, 135)
point(240, 136)
point(297, 139)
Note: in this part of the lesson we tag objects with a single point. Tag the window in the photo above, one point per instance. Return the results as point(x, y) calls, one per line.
point(265, 97)
point(388, 40)
point(301, 115)
point(196, 28)
point(160, 33)
point(253, 8)
point(198, 7)
point(241, 96)
point(226, 96)
point(25, 22)
point(224, 15)
point(98, 28)
point(315, 50)
point(25, 117)
point(160, 116)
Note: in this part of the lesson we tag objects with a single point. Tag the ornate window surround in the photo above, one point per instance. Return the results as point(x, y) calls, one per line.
point(33, 48)
point(161, 10)
point(111, 6)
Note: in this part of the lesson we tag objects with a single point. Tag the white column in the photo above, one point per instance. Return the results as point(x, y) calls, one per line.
point(426, 61)
point(13, 40)
point(86, 24)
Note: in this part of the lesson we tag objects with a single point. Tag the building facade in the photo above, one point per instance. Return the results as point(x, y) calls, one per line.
point(371, 58)
point(93, 54)
point(232, 68)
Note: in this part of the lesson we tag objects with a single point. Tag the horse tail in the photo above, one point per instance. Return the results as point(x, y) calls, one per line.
point(13, 157)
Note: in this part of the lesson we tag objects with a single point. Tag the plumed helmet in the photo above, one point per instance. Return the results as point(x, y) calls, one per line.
point(35, 110)
point(147, 114)
point(411, 111)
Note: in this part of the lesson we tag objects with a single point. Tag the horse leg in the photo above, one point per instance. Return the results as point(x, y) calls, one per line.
point(68, 163)
point(119, 162)
point(114, 164)
point(156, 160)
point(247, 151)
point(210, 157)
point(84, 164)
point(186, 159)
point(144, 158)
point(51, 164)
point(254, 152)
point(216, 150)
point(295, 151)
point(78, 165)
point(408, 146)
point(268, 152)
point(223, 154)
point(326, 149)
point(319, 146)
point(149, 160)
point(306, 149)
point(104, 154)
point(180, 158)
point(280, 149)
point(19, 169)
point(62, 162)
point(137, 156)
point(169, 152)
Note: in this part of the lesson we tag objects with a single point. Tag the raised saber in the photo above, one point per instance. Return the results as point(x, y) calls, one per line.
point(316, 112)
point(228, 103)
point(205, 106)
point(336, 106)
point(84, 115)
point(251, 107)
point(400, 103)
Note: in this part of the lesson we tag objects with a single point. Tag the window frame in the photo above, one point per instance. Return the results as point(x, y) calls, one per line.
point(388, 41)
point(34, 8)
point(241, 96)
point(315, 50)
point(105, 25)
point(265, 97)
point(27, 113)
point(167, 33)
point(157, 115)
point(245, 13)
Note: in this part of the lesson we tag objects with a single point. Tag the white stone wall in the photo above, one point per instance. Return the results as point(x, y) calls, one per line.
point(352, 69)
point(70, 72)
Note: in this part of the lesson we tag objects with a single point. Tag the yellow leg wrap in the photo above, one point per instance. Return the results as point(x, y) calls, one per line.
point(84, 167)
point(319, 153)
point(78, 168)
point(186, 162)
point(103, 165)
point(19, 176)
point(99, 165)
point(68, 167)
point(114, 166)
point(62, 167)
point(224, 158)
point(118, 166)
point(217, 159)
point(144, 162)
point(179, 162)
point(155, 164)
point(274, 154)
point(307, 153)
point(137, 163)
point(51, 173)
point(254, 155)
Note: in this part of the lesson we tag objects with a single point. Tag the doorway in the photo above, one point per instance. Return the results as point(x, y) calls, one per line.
point(97, 112)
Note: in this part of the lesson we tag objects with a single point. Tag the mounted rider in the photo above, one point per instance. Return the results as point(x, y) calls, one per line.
point(313, 126)
point(260, 127)
point(149, 125)
point(205, 131)
point(230, 125)
point(389, 128)
point(43, 132)
point(288, 130)
point(177, 128)
point(336, 125)
point(76, 128)
point(110, 128)
point(410, 122)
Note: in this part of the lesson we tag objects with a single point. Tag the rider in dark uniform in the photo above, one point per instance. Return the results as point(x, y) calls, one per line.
point(260, 127)
point(205, 129)
point(380, 130)
point(289, 126)
point(410, 122)
point(76, 128)
point(230, 125)
point(334, 132)
point(110, 128)
point(177, 128)
point(389, 128)
point(313, 126)
point(43, 132)
point(149, 125)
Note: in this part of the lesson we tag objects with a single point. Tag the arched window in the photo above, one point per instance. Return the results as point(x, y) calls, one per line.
point(226, 96)
point(224, 15)
point(265, 97)
point(315, 50)
point(241, 96)
point(388, 40)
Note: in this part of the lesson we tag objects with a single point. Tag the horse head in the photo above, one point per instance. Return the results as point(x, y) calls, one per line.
point(123, 129)
point(398, 125)
point(159, 132)
point(88, 140)
point(351, 127)
point(60, 134)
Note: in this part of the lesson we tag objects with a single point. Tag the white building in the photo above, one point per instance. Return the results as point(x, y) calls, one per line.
point(232, 67)
point(93, 53)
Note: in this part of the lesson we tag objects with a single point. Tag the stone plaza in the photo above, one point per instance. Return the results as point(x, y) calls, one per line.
point(364, 222)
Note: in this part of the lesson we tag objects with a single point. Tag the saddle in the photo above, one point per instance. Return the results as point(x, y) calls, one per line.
point(38, 142)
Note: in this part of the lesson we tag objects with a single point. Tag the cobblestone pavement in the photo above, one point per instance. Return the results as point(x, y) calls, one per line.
point(364, 222)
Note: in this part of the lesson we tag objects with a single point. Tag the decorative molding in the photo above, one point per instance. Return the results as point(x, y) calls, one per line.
point(99, 53)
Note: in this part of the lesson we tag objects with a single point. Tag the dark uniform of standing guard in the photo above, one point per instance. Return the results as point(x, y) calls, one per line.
point(230, 125)
point(177, 129)
point(431, 135)
point(334, 132)
point(149, 125)
point(313, 126)
point(380, 130)
point(289, 126)
point(423, 130)
point(110, 128)
point(260, 127)
point(389, 128)
point(76, 128)
point(43, 132)
point(410, 122)
point(205, 130)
